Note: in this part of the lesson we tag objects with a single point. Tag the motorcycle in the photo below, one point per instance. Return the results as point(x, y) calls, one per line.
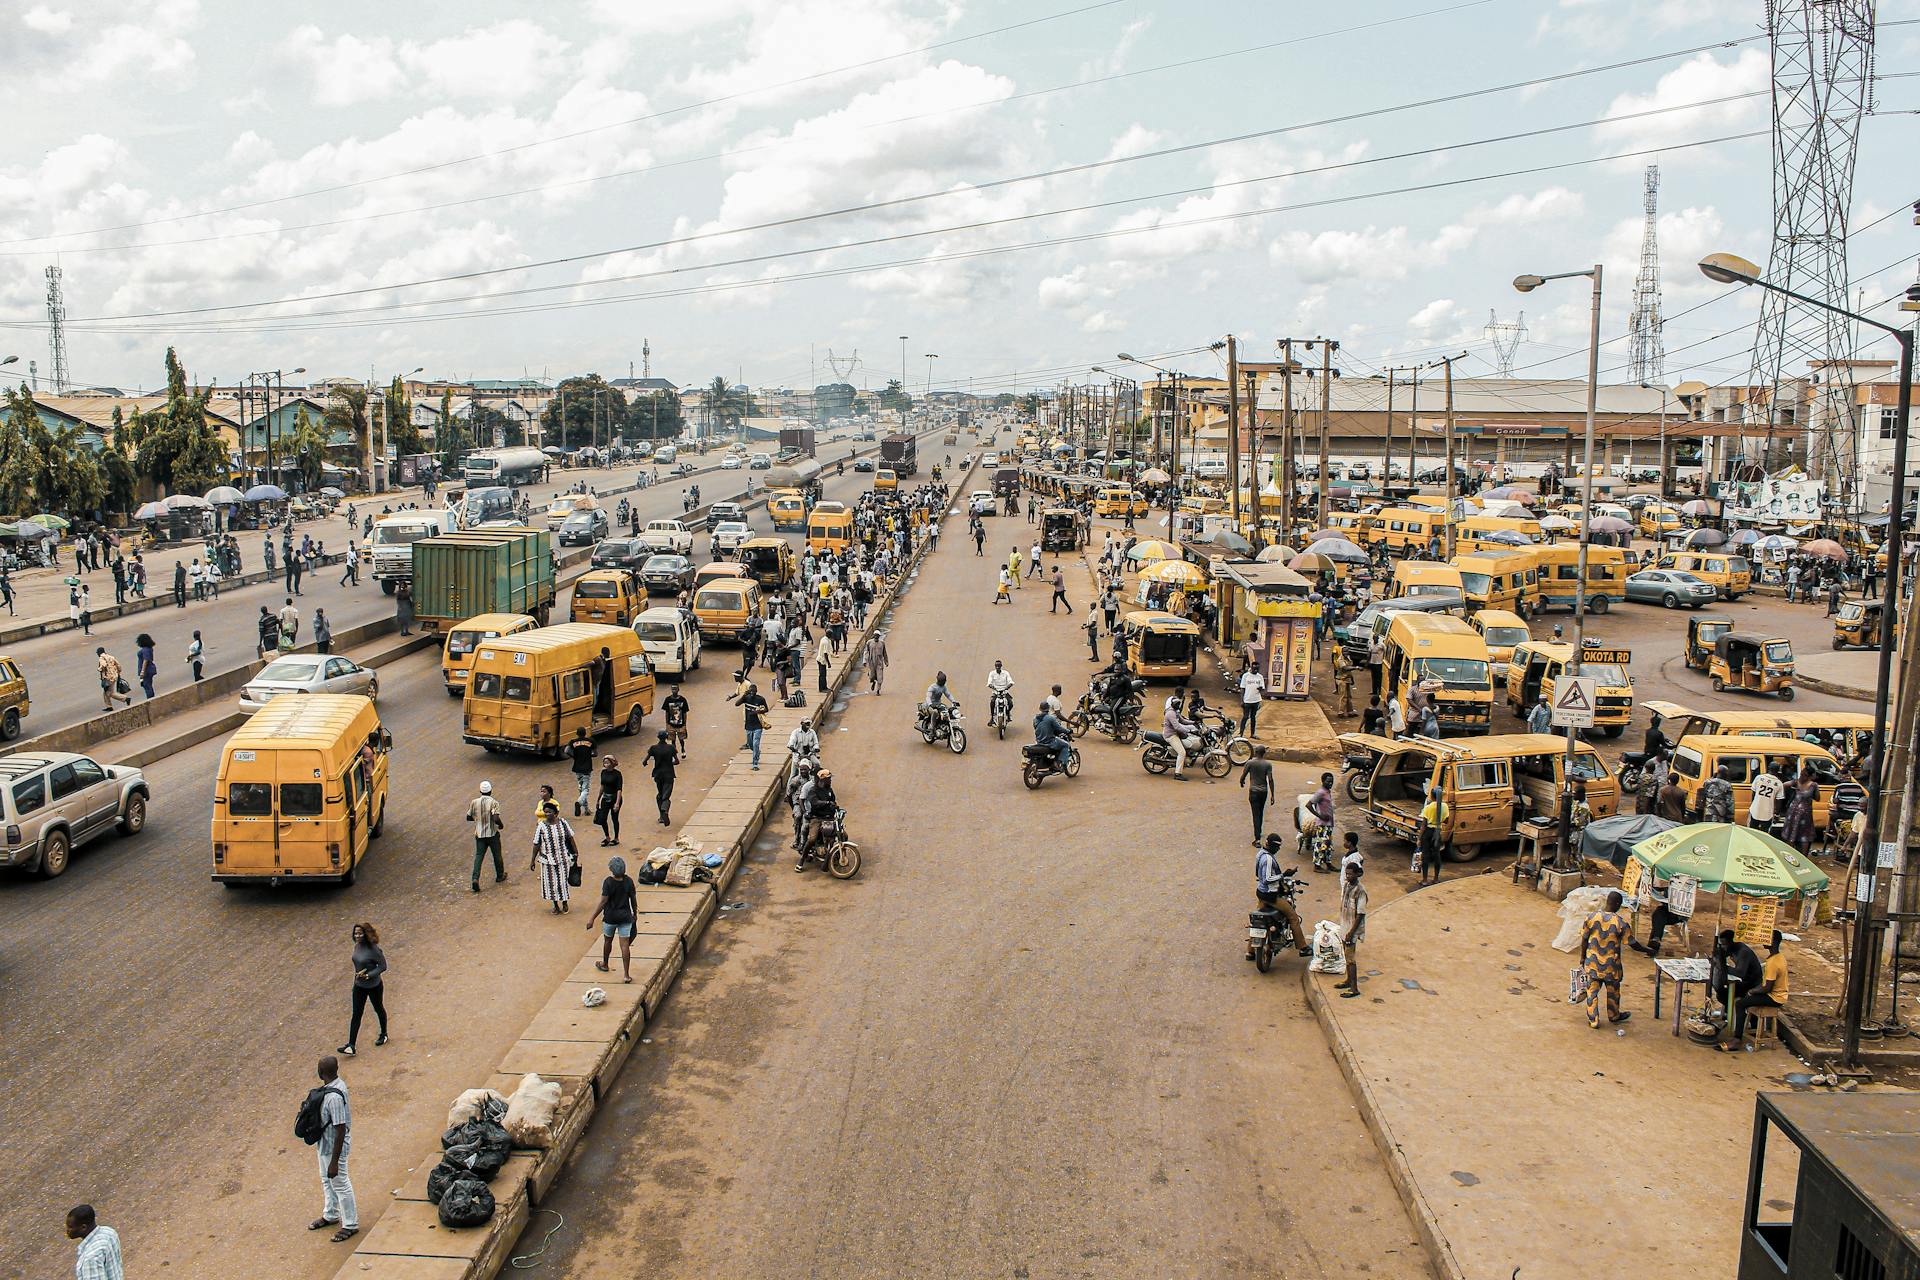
point(1316, 837)
point(1360, 765)
point(1633, 766)
point(1120, 723)
point(1158, 756)
point(1268, 932)
point(1239, 750)
point(941, 724)
point(1000, 711)
point(832, 850)
point(1040, 763)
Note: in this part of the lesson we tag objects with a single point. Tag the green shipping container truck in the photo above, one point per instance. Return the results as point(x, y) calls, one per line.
point(483, 571)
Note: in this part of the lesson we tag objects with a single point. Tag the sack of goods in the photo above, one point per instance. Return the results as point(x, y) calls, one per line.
point(467, 1203)
point(531, 1110)
point(1329, 953)
point(477, 1104)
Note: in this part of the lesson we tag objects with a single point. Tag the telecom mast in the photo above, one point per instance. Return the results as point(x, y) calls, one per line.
point(1647, 358)
point(1822, 90)
point(646, 358)
point(57, 330)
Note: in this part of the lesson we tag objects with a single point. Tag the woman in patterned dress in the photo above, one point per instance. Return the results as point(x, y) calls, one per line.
point(554, 853)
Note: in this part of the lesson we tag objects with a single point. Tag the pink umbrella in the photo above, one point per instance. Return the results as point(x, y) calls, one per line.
point(1825, 547)
point(1698, 507)
point(1609, 524)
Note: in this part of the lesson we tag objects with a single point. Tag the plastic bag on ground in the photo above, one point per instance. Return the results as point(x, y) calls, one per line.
point(467, 1203)
point(443, 1176)
point(1574, 910)
point(469, 1106)
point(479, 1146)
point(530, 1112)
point(1329, 953)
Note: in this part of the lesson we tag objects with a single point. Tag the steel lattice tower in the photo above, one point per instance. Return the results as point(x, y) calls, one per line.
point(57, 329)
point(1647, 361)
point(1506, 340)
point(1822, 90)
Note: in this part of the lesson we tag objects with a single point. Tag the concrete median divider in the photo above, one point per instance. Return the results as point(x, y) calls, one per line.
point(582, 1048)
point(163, 599)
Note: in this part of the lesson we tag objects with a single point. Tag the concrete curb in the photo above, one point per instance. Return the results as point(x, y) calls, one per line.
point(1833, 687)
point(1425, 1221)
point(583, 1049)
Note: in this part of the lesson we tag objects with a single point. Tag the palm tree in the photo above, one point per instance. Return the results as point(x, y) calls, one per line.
point(726, 405)
point(347, 411)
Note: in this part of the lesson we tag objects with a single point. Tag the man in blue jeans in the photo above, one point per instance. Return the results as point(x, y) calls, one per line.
point(754, 707)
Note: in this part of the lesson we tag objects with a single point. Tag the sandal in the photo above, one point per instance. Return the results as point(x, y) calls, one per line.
point(601, 966)
point(344, 1234)
point(321, 1224)
point(1727, 1046)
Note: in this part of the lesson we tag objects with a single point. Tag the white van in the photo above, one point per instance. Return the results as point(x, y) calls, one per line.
point(666, 455)
point(390, 545)
point(669, 638)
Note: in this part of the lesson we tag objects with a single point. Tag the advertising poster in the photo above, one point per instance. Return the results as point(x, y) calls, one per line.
point(1754, 920)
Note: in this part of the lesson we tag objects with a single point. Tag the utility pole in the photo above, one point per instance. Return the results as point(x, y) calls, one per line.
point(1413, 428)
point(1286, 441)
point(1386, 443)
point(1448, 363)
point(1327, 348)
point(1233, 432)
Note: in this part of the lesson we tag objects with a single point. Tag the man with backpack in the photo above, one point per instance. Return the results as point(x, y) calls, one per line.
point(326, 1123)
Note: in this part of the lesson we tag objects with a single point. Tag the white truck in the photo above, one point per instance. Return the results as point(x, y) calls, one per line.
point(668, 535)
point(390, 545)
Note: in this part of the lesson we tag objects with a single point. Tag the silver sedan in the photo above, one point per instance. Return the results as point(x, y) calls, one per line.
point(308, 673)
point(1671, 588)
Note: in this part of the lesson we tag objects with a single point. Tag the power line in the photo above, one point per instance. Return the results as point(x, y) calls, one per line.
point(686, 161)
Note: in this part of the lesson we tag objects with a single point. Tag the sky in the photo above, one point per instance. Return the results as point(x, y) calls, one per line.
point(1022, 190)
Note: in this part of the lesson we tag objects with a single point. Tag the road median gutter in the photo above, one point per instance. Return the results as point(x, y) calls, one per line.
point(582, 1048)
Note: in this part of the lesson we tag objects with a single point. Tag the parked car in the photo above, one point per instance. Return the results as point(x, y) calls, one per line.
point(760, 462)
point(727, 538)
point(1671, 588)
point(53, 802)
point(863, 465)
point(583, 528)
point(621, 553)
point(666, 575)
point(308, 673)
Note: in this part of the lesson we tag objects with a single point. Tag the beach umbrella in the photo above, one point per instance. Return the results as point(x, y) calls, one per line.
point(1698, 507)
point(1506, 492)
point(1153, 549)
point(332, 492)
point(1561, 522)
point(1605, 524)
point(1278, 552)
point(185, 502)
point(1178, 572)
point(1741, 537)
point(1318, 534)
point(151, 511)
point(1338, 549)
point(47, 520)
point(224, 495)
point(1826, 547)
point(1227, 540)
point(1312, 562)
point(1154, 475)
point(1776, 544)
point(1721, 855)
point(1506, 538)
point(553, 451)
point(1612, 839)
point(32, 532)
point(266, 493)
point(1704, 538)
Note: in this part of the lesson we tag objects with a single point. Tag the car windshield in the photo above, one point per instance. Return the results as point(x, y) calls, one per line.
point(579, 520)
point(1851, 612)
point(665, 564)
point(1585, 767)
point(462, 643)
point(1454, 673)
point(662, 631)
point(388, 535)
point(1507, 637)
point(610, 551)
point(1608, 674)
point(596, 589)
point(295, 669)
point(1779, 651)
point(1476, 584)
point(718, 600)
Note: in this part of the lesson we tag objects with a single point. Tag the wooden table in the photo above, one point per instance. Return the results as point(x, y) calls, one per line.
point(1681, 971)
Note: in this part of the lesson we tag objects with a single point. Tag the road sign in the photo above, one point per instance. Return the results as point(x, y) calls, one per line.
point(1618, 657)
point(1573, 700)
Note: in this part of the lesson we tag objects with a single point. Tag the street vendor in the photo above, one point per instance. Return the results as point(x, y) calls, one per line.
point(1660, 893)
point(1733, 972)
point(1771, 994)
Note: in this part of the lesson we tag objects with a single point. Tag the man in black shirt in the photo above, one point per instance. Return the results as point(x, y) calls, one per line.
point(661, 758)
point(1257, 778)
point(580, 753)
point(753, 707)
point(675, 709)
point(1734, 970)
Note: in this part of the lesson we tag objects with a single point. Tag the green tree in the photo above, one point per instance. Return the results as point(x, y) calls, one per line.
point(401, 433)
point(18, 464)
point(832, 400)
point(654, 416)
point(1030, 406)
point(347, 413)
point(489, 424)
point(115, 464)
point(305, 449)
point(448, 435)
point(174, 443)
point(895, 397)
point(727, 406)
point(583, 411)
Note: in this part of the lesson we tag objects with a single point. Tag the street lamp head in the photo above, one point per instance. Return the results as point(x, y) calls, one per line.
point(301, 369)
point(10, 360)
point(1122, 356)
point(1728, 268)
point(1527, 284)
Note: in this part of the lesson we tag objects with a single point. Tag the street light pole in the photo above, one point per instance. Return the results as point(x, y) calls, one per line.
point(1725, 268)
point(1563, 851)
point(903, 382)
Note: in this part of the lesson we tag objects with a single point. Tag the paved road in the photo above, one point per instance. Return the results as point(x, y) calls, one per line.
point(161, 1030)
point(60, 667)
point(1023, 1042)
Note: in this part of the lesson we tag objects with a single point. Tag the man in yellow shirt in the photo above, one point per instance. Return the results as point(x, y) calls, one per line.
point(1771, 994)
point(1013, 565)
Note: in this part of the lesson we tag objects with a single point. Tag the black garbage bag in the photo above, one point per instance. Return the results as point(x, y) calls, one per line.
point(486, 1133)
point(443, 1176)
point(478, 1160)
point(467, 1203)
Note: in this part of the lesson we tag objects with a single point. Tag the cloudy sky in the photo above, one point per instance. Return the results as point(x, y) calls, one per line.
point(492, 190)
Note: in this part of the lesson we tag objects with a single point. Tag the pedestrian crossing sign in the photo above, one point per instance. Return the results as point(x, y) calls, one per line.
point(1573, 701)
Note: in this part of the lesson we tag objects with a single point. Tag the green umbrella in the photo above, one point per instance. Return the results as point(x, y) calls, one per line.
point(1721, 855)
point(48, 521)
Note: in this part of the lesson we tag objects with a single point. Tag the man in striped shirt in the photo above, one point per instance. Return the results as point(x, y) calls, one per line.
point(99, 1254)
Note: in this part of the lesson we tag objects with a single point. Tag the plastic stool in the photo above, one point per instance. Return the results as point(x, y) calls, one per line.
point(1765, 1025)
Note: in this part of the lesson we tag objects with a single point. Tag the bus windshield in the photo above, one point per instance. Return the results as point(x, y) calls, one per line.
point(1454, 673)
point(1476, 584)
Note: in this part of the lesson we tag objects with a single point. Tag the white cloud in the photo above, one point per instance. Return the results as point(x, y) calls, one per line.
point(1133, 140)
point(95, 42)
point(507, 61)
point(1700, 79)
point(47, 21)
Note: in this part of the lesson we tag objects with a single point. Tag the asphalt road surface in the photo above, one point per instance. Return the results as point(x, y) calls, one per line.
point(1023, 1042)
point(161, 1030)
point(60, 667)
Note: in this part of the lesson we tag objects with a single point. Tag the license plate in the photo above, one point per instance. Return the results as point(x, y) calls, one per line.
point(1257, 935)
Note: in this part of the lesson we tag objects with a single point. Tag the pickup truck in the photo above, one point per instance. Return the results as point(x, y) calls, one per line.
point(668, 535)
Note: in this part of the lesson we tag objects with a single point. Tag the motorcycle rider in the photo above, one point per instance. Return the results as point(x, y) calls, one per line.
point(1048, 732)
point(803, 743)
point(1266, 888)
point(938, 697)
point(1178, 730)
point(1000, 689)
point(822, 806)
